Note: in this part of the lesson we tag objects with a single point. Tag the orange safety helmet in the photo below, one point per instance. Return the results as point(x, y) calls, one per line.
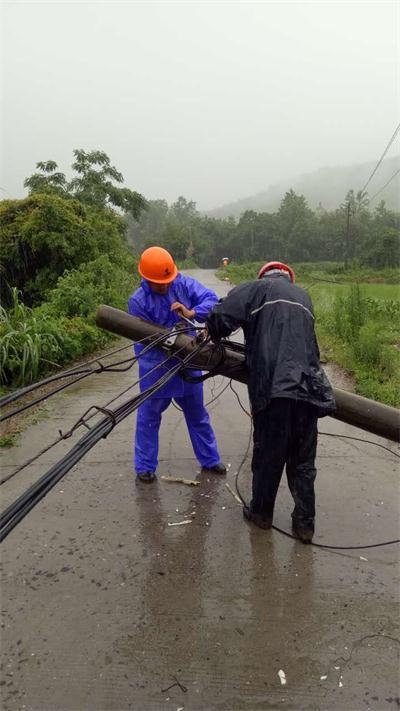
point(157, 265)
point(276, 265)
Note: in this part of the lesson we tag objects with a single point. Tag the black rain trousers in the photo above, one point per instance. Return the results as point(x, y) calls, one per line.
point(285, 432)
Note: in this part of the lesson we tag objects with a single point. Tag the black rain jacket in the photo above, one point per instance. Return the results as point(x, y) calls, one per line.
point(282, 353)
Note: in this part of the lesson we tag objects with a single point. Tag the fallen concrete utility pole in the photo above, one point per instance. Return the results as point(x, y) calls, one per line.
point(353, 409)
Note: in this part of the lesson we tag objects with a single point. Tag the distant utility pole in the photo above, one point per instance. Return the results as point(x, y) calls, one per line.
point(346, 255)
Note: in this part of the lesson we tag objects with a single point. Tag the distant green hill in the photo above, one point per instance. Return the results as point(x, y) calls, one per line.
point(326, 186)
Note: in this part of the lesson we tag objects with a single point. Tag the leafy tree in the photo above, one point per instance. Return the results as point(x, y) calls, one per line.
point(48, 181)
point(356, 218)
point(184, 211)
point(93, 185)
point(293, 233)
point(149, 227)
point(296, 224)
point(45, 234)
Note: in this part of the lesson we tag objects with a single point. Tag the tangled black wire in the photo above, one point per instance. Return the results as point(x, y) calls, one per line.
point(329, 434)
point(21, 507)
point(80, 372)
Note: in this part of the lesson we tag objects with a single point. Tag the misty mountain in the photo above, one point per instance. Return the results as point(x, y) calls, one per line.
point(326, 186)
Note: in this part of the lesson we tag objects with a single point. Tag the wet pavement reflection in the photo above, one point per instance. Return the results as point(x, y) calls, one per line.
point(106, 606)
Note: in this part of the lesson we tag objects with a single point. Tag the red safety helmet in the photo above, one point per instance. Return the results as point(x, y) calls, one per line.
point(276, 265)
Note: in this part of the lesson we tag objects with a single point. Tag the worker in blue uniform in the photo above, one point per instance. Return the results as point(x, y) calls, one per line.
point(165, 295)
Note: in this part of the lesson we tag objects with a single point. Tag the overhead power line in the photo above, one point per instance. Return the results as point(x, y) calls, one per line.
point(384, 186)
point(382, 157)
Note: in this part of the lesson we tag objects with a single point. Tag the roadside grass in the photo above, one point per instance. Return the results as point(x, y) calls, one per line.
point(357, 321)
point(36, 341)
point(9, 440)
point(312, 271)
point(12, 429)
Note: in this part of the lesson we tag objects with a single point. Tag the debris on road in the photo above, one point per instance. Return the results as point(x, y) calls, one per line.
point(180, 523)
point(176, 683)
point(233, 493)
point(282, 677)
point(177, 480)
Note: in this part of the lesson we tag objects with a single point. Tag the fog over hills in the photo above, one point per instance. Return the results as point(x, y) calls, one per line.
point(327, 187)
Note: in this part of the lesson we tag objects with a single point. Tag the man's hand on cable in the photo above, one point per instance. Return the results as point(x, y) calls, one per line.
point(182, 310)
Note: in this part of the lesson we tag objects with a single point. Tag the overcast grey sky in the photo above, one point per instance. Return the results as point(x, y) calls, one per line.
point(212, 100)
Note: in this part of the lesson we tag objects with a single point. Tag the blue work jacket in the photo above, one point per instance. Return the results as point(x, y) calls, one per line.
point(148, 305)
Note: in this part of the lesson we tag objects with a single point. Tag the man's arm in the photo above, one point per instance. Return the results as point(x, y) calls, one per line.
point(201, 299)
point(135, 309)
point(230, 313)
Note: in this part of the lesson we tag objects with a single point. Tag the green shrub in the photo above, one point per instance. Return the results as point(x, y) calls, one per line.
point(45, 234)
point(79, 292)
point(187, 264)
point(34, 341)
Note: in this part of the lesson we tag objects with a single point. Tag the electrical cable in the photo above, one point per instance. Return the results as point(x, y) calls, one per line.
point(68, 434)
point(27, 501)
point(104, 368)
point(385, 186)
point(76, 370)
point(397, 129)
point(286, 533)
point(206, 404)
point(360, 439)
point(19, 508)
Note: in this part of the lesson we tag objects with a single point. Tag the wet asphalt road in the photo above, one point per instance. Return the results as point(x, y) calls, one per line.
point(105, 605)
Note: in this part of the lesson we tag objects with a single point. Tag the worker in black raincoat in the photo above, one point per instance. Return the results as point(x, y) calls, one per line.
point(288, 389)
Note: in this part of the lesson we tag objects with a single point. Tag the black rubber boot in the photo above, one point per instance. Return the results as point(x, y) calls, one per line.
point(261, 520)
point(146, 477)
point(302, 531)
point(219, 469)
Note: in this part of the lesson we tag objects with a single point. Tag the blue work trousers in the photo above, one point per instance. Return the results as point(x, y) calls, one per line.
point(198, 422)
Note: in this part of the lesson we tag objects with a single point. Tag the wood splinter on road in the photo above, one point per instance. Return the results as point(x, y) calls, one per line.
point(177, 480)
point(234, 494)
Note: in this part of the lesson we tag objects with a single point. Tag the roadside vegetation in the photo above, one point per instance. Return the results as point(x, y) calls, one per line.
point(63, 252)
point(357, 320)
point(355, 231)
point(73, 244)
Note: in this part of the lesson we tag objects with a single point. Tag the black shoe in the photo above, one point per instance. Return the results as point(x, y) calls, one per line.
point(302, 532)
point(146, 477)
point(219, 469)
point(261, 520)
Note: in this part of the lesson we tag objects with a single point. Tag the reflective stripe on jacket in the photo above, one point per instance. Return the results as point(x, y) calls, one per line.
point(282, 353)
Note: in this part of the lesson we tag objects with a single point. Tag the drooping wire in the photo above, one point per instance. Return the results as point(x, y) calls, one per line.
point(19, 508)
point(206, 404)
point(76, 370)
point(69, 433)
point(385, 186)
point(397, 129)
point(281, 530)
point(112, 367)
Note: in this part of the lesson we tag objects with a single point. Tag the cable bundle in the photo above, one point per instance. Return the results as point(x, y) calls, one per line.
point(19, 508)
